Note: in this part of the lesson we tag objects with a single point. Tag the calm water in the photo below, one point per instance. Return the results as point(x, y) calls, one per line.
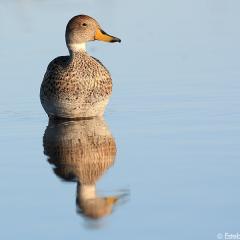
point(173, 120)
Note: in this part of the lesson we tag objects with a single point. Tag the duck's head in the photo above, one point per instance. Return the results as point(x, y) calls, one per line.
point(81, 29)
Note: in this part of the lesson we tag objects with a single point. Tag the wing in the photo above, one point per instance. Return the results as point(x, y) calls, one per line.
point(103, 85)
point(98, 61)
point(54, 73)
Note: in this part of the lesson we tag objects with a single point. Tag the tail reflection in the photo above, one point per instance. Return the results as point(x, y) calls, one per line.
point(82, 151)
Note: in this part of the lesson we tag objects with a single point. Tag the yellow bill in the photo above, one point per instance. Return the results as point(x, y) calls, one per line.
point(103, 36)
point(112, 200)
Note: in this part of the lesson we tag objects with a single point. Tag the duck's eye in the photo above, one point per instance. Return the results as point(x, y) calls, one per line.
point(84, 24)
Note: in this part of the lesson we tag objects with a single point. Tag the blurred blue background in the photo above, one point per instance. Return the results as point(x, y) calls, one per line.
point(174, 114)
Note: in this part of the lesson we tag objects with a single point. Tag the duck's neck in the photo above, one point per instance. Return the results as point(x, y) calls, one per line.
point(86, 192)
point(76, 49)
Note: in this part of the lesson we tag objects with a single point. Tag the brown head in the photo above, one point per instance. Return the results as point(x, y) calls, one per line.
point(91, 205)
point(81, 29)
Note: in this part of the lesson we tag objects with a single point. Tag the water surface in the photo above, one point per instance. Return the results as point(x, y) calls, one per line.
point(174, 117)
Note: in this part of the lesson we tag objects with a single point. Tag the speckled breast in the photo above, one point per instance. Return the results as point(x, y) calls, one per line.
point(75, 86)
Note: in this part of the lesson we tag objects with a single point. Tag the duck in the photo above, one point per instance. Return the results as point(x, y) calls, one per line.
point(77, 86)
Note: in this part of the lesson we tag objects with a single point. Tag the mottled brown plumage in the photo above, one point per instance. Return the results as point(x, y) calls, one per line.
point(82, 149)
point(78, 85)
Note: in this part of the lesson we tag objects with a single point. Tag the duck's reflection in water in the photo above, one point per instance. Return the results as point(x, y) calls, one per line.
point(82, 151)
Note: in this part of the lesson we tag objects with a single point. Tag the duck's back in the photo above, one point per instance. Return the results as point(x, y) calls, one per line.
point(75, 87)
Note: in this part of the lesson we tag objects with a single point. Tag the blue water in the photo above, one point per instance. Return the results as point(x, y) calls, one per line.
point(174, 115)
